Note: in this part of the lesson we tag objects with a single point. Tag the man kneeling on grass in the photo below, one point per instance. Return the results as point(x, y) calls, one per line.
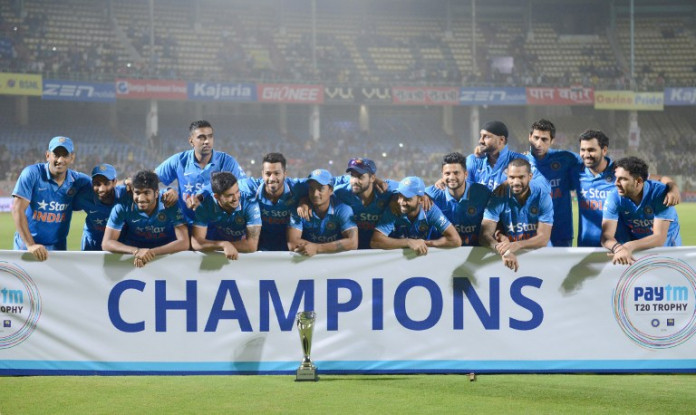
point(151, 228)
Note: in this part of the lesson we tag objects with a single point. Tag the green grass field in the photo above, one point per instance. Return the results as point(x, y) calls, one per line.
point(359, 394)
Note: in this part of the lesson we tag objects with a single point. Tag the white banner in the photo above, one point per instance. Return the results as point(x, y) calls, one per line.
point(452, 311)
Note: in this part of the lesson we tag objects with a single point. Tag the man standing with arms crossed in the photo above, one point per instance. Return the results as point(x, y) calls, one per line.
point(525, 212)
point(192, 169)
point(637, 203)
point(43, 198)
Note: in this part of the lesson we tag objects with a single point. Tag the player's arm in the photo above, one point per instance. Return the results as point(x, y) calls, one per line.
point(673, 195)
point(181, 243)
point(382, 241)
point(540, 240)
point(110, 243)
point(251, 242)
point(19, 208)
point(199, 242)
point(450, 239)
point(621, 254)
point(294, 236)
point(659, 236)
point(487, 233)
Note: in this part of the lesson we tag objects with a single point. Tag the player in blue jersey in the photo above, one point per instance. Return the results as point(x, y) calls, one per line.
point(330, 228)
point(490, 160)
point(557, 166)
point(43, 199)
point(227, 221)
point(98, 203)
point(277, 196)
point(525, 213)
point(638, 204)
point(593, 181)
point(461, 202)
point(362, 195)
point(414, 228)
point(192, 169)
point(149, 228)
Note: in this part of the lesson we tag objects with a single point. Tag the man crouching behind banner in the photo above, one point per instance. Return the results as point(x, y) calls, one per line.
point(151, 228)
point(524, 211)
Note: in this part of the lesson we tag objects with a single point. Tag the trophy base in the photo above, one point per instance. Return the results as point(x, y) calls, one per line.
point(305, 374)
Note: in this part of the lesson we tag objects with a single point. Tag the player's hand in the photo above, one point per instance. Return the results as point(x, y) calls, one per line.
point(306, 249)
point(39, 251)
point(673, 196)
point(193, 201)
point(230, 251)
point(142, 256)
point(381, 185)
point(503, 246)
point(510, 261)
point(440, 184)
point(478, 151)
point(418, 245)
point(170, 197)
point(303, 209)
point(427, 203)
point(622, 255)
point(501, 190)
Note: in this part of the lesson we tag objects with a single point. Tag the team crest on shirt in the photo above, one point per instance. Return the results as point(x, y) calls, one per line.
point(71, 191)
point(534, 210)
point(380, 204)
point(648, 210)
point(422, 227)
point(239, 220)
point(290, 201)
point(161, 217)
point(609, 179)
point(471, 211)
point(555, 165)
point(330, 226)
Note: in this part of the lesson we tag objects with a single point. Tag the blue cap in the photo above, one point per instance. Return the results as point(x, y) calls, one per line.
point(61, 141)
point(361, 166)
point(106, 170)
point(321, 176)
point(411, 186)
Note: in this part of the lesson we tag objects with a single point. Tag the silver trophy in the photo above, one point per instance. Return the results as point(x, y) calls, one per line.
point(305, 326)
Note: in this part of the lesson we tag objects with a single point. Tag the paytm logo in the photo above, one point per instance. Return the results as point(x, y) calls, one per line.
point(12, 296)
point(666, 293)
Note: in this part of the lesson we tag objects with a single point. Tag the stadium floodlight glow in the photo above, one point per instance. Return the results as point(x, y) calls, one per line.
point(401, 145)
point(253, 161)
point(128, 65)
point(384, 155)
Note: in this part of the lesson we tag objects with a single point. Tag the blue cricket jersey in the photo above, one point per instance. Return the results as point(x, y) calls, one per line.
point(639, 219)
point(97, 215)
point(191, 178)
point(521, 221)
point(337, 220)
point(275, 216)
point(365, 216)
point(223, 226)
point(557, 167)
point(592, 190)
point(427, 225)
point(145, 231)
point(50, 206)
point(466, 213)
